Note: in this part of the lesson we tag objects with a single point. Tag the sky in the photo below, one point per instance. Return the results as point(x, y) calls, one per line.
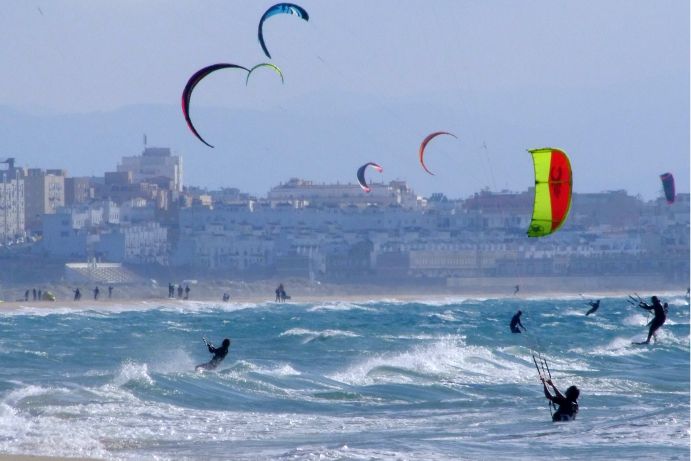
point(607, 81)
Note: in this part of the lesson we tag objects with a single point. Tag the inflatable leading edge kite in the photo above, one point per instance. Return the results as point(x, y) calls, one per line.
point(287, 8)
point(423, 144)
point(189, 87)
point(265, 64)
point(668, 186)
point(553, 185)
point(361, 174)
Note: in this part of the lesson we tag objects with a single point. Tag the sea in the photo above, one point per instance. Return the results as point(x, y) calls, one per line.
point(384, 379)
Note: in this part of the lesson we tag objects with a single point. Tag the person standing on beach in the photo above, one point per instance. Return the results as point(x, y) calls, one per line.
point(659, 319)
point(96, 292)
point(110, 291)
point(77, 294)
point(282, 293)
point(516, 323)
point(187, 292)
point(33, 292)
point(26, 295)
point(180, 291)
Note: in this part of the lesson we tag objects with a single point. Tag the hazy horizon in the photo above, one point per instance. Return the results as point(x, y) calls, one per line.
point(606, 81)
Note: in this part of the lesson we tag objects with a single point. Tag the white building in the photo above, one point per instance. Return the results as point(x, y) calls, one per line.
point(154, 164)
point(301, 193)
point(11, 208)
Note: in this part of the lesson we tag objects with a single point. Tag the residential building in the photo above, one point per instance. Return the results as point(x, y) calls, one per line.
point(78, 191)
point(44, 193)
point(11, 207)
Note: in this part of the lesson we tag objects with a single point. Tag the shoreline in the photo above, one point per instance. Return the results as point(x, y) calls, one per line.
point(154, 303)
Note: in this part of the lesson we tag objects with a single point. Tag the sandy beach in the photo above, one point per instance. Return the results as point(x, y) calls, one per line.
point(154, 294)
point(153, 303)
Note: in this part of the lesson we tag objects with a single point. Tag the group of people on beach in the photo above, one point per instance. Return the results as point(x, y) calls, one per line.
point(568, 402)
point(38, 295)
point(281, 295)
point(96, 291)
point(181, 293)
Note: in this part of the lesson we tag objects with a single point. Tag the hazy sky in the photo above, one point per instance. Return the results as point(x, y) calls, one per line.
point(606, 80)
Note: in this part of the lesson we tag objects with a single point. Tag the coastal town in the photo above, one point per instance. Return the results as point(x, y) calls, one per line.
point(141, 221)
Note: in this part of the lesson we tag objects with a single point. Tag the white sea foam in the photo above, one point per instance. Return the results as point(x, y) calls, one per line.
point(339, 306)
point(132, 372)
point(619, 346)
point(311, 335)
point(636, 320)
point(175, 361)
point(443, 302)
point(448, 359)
point(28, 391)
point(281, 369)
point(447, 316)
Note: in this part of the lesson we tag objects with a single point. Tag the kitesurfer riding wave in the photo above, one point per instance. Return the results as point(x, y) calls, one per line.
point(219, 354)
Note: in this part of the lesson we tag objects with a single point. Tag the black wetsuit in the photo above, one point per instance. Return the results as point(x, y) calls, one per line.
point(658, 320)
point(515, 322)
point(219, 354)
point(567, 410)
point(593, 307)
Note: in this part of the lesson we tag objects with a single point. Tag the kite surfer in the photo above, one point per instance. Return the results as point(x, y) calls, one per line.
point(594, 305)
point(516, 323)
point(568, 404)
point(218, 352)
point(659, 319)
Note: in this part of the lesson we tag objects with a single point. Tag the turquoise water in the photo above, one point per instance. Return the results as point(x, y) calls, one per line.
point(426, 380)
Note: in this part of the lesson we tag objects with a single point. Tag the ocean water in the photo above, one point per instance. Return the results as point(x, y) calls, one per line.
point(377, 380)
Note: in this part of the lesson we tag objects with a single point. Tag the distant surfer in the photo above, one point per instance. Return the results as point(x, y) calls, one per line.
point(594, 305)
point(515, 290)
point(568, 404)
point(516, 323)
point(218, 352)
point(659, 319)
